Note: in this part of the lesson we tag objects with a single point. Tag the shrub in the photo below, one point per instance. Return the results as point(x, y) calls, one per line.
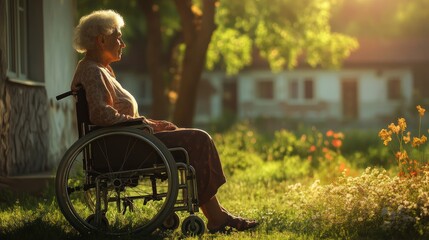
point(234, 160)
point(238, 148)
point(285, 144)
point(240, 137)
point(373, 205)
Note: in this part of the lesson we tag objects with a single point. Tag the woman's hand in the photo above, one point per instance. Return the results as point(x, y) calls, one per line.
point(160, 125)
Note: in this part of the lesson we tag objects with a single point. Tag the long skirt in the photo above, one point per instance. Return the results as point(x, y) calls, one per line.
point(203, 156)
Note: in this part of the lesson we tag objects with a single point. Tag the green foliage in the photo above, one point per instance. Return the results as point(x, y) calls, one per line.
point(286, 144)
point(240, 137)
point(282, 31)
point(234, 48)
point(234, 160)
point(238, 148)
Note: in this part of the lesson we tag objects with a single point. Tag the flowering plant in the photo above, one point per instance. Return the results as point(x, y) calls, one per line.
point(328, 145)
point(406, 164)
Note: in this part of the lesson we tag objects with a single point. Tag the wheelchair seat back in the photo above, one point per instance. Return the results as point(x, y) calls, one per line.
point(82, 112)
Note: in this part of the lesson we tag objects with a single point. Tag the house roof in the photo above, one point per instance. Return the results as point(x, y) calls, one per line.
point(375, 52)
point(390, 51)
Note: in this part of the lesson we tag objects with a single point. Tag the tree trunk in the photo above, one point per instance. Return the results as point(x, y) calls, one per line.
point(197, 32)
point(154, 60)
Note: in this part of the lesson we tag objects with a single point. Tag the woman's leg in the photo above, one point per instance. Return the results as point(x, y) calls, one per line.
point(214, 213)
point(203, 156)
point(220, 219)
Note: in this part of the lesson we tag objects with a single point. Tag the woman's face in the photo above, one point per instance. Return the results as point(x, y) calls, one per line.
point(113, 45)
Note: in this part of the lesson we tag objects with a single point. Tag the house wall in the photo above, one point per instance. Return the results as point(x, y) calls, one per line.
point(60, 62)
point(212, 108)
point(34, 129)
point(374, 101)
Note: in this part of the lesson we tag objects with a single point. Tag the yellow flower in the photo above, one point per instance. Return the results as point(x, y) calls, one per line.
point(402, 123)
point(419, 141)
point(386, 141)
point(421, 110)
point(385, 136)
point(402, 155)
point(423, 139)
point(415, 142)
point(407, 138)
point(394, 128)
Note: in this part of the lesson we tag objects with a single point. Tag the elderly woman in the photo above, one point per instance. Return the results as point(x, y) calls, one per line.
point(98, 35)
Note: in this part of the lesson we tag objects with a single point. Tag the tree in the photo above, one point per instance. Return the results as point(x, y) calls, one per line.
point(197, 27)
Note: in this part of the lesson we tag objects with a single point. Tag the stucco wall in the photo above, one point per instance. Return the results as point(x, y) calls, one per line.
point(27, 129)
point(60, 62)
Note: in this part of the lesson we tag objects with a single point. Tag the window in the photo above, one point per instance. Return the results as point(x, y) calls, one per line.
point(24, 42)
point(301, 89)
point(293, 89)
point(308, 89)
point(17, 41)
point(265, 89)
point(394, 89)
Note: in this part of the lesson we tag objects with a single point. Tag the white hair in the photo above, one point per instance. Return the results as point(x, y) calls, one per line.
point(90, 26)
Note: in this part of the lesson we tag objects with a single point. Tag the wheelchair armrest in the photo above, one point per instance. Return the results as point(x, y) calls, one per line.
point(63, 95)
point(131, 123)
point(179, 154)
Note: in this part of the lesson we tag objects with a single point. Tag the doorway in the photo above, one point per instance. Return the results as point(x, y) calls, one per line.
point(350, 99)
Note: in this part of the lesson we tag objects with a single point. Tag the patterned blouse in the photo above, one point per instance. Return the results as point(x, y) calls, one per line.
point(109, 103)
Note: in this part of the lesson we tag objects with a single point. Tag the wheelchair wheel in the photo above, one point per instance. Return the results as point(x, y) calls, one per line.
point(172, 222)
point(117, 181)
point(193, 225)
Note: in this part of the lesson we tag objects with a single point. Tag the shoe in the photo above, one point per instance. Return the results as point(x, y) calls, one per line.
point(232, 222)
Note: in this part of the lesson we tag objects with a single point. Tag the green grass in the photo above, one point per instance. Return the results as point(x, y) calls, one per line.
point(373, 205)
point(291, 196)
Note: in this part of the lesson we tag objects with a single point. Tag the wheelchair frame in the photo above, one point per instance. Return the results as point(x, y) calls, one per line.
point(80, 182)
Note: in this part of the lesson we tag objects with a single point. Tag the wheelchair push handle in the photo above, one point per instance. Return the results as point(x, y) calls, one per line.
point(63, 95)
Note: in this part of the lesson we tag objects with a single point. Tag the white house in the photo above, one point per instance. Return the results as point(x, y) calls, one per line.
point(347, 94)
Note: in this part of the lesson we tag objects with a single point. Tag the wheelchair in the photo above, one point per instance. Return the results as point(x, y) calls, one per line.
point(123, 181)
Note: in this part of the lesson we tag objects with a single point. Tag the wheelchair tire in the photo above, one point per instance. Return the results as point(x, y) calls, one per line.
point(172, 222)
point(193, 225)
point(97, 179)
